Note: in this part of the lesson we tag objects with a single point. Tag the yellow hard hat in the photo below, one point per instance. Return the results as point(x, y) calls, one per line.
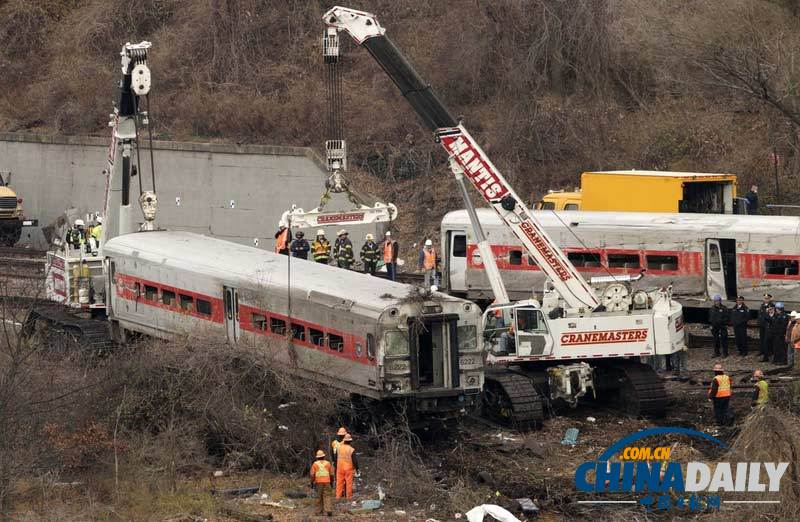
point(320, 454)
point(342, 431)
point(718, 368)
point(348, 438)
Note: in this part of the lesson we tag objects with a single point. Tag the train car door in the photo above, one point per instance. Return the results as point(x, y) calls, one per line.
point(721, 268)
point(231, 302)
point(456, 262)
point(430, 354)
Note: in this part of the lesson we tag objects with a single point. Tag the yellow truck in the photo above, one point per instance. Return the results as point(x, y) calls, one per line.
point(649, 191)
point(11, 217)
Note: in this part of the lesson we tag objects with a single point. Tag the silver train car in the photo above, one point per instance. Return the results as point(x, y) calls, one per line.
point(354, 332)
point(701, 255)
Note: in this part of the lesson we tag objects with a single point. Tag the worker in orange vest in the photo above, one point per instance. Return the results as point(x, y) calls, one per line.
point(321, 474)
point(282, 239)
point(428, 262)
point(346, 468)
point(720, 394)
point(390, 249)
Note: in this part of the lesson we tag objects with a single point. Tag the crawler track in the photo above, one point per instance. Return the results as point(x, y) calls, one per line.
point(512, 399)
point(64, 330)
point(642, 391)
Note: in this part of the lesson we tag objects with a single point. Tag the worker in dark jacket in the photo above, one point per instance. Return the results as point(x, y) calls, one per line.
point(300, 247)
point(740, 314)
point(752, 200)
point(763, 318)
point(343, 250)
point(777, 334)
point(370, 253)
point(718, 319)
point(768, 333)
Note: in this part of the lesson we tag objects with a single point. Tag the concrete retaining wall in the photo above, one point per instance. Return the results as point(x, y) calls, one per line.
point(235, 192)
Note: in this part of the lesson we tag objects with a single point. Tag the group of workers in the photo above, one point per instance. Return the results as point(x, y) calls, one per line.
point(342, 252)
point(779, 332)
point(83, 237)
point(719, 393)
point(324, 473)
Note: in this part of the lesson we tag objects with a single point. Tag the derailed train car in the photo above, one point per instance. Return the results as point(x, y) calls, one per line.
point(700, 255)
point(361, 334)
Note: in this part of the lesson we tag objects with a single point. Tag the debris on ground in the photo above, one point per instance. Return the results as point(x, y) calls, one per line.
point(527, 506)
point(243, 516)
point(570, 437)
point(283, 503)
point(366, 506)
point(236, 492)
point(477, 513)
point(295, 493)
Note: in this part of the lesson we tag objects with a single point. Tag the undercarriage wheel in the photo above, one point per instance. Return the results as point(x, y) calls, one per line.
point(511, 399)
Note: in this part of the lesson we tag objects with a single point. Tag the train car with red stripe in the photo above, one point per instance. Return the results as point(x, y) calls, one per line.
point(351, 331)
point(700, 255)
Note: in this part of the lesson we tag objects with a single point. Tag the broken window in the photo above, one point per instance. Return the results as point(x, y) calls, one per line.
point(396, 343)
point(658, 262)
point(203, 307)
point(259, 322)
point(298, 332)
point(187, 302)
point(467, 338)
point(336, 342)
point(317, 336)
point(150, 292)
point(277, 326)
point(168, 297)
point(781, 267)
point(623, 260)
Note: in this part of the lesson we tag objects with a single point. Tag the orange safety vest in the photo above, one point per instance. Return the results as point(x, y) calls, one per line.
point(283, 239)
point(344, 455)
point(723, 386)
point(387, 251)
point(430, 259)
point(321, 471)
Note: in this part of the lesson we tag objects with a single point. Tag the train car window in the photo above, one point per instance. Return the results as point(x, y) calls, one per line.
point(459, 246)
point(150, 292)
point(168, 297)
point(532, 261)
point(714, 261)
point(370, 347)
point(584, 259)
point(397, 343)
point(203, 307)
point(187, 302)
point(317, 336)
point(515, 257)
point(623, 261)
point(336, 342)
point(781, 267)
point(259, 321)
point(662, 262)
point(467, 338)
point(137, 290)
point(298, 332)
point(277, 326)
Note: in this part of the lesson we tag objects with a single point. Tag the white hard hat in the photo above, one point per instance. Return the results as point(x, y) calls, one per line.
point(388, 233)
point(342, 232)
point(79, 223)
point(320, 232)
point(99, 219)
point(428, 242)
point(370, 237)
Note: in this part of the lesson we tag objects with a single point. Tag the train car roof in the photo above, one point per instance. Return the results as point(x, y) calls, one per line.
point(733, 224)
point(249, 267)
point(659, 173)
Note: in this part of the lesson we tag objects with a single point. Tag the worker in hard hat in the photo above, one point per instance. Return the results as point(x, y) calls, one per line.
point(76, 236)
point(321, 476)
point(321, 248)
point(370, 254)
point(769, 332)
point(390, 249)
point(337, 441)
point(299, 247)
point(343, 250)
point(763, 319)
point(718, 318)
point(760, 389)
point(428, 262)
point(282, 239)
point(346, 467)
point(778, 327)
point(793, 336)
point(720, 394)
point(97, 229)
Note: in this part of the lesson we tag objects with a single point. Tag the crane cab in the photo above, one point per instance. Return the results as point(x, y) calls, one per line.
point(517, 330)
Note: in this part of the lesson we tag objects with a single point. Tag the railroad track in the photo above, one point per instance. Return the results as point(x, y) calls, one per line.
point(21, 263)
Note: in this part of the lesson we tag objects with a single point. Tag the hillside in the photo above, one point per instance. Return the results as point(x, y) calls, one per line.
point(551, 88)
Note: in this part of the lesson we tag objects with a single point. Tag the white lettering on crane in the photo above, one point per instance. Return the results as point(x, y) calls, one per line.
point(476, 168)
